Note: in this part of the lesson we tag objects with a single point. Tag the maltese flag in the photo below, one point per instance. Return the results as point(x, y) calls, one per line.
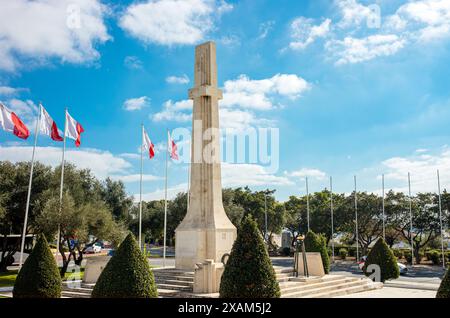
point(148, 144)
point(74, 129)
point(172, 147)
point(47, 125)
point(10, 122)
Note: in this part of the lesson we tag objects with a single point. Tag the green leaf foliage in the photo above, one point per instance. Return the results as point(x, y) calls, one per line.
point(382, 255)
point(444, 288)
point(127, 274)
point(39, 276)
point(249, 272)
point(318, 243)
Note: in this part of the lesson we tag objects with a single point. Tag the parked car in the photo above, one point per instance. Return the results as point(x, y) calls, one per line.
point(96, 248)
point(402, 268)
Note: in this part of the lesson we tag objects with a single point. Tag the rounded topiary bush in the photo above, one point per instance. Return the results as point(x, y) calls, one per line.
point(343, 253)
point(39, 276)
point(249, 272)
point(382, 255)
point(444, 288)
point(318, 243)
point(127, 274)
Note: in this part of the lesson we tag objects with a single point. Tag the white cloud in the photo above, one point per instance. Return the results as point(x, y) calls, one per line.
point(159, 193)
point(307, 172)
point(354, 50)
point(27, 111)
point(423, 169)
point(92, 159)
point(426, 20)
point(236, 175)
point(265, 28)
point(128, 155)
point(230, 40)
point(135, 178)
point(258, 94)
point(35, 31)
point(304, 33)
point(184, 79)
point(132, 62)
point(353, 13)
point(240, 98)
point(9, 91)
point(169, 22)
point(179, 111)
point(136, 103)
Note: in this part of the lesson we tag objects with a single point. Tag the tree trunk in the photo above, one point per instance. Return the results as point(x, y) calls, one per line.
point(416, 253)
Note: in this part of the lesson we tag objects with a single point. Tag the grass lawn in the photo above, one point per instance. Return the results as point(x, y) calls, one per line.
point(7, 279)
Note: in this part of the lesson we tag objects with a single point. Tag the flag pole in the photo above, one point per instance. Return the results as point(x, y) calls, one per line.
point(24, 232)
point(140, 188)
point(61, 185)
point(440, 220)
point(356, 219)
point(332, 218)
point(411, 219)
point(384, 216)
point(307, 202)
point(189, 184)
point(165, 205)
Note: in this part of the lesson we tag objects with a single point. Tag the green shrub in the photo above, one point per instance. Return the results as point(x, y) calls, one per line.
point(343, 253)
point(434, 256)
point(39, 276)
point(318, 243)
point(249, 272)
point(444, 288)
point(127, 274)
point(382, 256)
point(398, 253)
point(407, 255)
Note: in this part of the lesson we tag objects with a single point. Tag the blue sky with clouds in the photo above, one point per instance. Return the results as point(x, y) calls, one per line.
point(354, 87)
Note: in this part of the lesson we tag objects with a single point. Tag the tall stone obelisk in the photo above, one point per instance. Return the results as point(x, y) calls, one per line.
point(205, 232)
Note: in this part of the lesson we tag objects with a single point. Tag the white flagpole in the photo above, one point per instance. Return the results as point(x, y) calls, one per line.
point(411, 219)
point(24, 232)
point(189, 179)
point(307, 202)
point(140, 188)
point(61, 184)
point(356, 227)
point(384, 217)
point(165, 205)
point(332, 220)
point(440, 220)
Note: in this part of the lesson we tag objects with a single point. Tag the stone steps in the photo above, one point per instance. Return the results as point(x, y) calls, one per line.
point(327, 287)
point(172, 281)
point(346, 291)
point(299, 287)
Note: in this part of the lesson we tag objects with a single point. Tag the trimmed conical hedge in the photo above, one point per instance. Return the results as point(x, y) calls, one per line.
point(444, 288)
point(127, 274)
point(318, 243)
point(249, 272)
point(382, 255)
point(39, 276)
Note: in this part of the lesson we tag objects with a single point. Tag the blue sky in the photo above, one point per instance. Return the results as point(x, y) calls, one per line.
point(353, 87)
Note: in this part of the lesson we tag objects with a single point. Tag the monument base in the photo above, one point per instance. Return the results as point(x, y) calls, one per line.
point(194, 246)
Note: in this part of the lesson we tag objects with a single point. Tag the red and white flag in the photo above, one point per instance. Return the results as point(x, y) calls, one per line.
point(74, 129)
point(148, 144)
point(47, 126)
point(172, 147)
point(10, 122)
